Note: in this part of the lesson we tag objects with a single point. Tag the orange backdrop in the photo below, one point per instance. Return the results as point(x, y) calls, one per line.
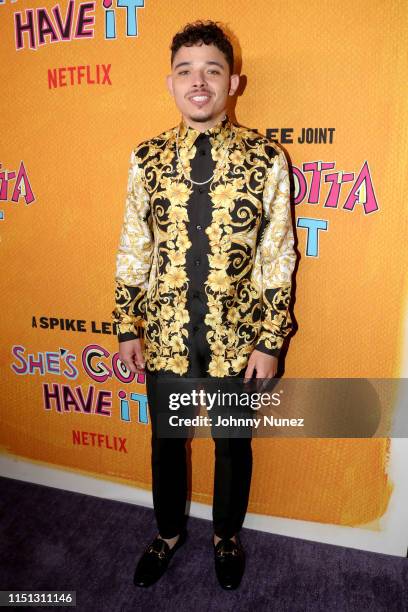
point(65, 149)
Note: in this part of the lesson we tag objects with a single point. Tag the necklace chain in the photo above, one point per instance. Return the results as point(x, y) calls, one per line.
point(213, 174)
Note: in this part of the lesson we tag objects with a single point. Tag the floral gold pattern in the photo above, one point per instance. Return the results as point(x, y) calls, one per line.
point(251, 258)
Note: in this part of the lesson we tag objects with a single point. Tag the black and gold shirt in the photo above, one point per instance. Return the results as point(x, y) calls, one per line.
point(230, 240)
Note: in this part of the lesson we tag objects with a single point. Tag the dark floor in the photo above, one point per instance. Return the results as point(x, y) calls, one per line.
point(57, 540)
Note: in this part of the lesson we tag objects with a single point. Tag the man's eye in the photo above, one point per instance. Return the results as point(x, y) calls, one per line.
point(214, 71)
point(182, 72)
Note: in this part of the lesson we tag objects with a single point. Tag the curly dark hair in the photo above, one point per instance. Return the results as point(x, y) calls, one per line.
point(207, 32)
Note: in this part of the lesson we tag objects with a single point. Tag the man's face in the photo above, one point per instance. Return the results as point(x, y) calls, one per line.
point(201, 83)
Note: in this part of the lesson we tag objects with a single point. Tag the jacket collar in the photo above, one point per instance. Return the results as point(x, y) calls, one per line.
point(188, 135)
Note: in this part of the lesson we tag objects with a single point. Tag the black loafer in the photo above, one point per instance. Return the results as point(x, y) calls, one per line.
point(154, 561)
point(229, 563)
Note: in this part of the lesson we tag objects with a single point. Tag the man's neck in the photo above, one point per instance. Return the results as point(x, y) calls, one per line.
point(206, 125)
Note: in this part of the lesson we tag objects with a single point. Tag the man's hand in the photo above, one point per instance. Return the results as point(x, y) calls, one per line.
point(265, 365)
point(130, 352)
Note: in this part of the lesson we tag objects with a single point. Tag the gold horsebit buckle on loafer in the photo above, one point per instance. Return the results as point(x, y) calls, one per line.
point(160, 553)
point(221, 552)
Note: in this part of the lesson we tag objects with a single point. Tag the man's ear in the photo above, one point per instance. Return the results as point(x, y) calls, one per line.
point(169, 82)
point(234, 82)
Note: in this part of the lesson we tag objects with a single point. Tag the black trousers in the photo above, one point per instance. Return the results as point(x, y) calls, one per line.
point(233, 456)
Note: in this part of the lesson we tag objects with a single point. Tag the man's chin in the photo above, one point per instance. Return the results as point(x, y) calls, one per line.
point(202, 118)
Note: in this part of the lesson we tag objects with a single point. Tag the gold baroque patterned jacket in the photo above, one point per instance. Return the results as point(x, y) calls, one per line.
point(250, 257)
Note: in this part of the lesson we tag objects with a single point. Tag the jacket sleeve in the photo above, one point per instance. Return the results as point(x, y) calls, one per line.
point(133, 258)
point(277, 257)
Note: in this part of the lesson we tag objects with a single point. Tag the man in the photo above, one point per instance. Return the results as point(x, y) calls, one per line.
point(204, 265)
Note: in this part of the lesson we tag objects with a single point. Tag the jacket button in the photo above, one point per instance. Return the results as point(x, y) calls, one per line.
point(201, 189)
point(198, 227)
point(197, 262)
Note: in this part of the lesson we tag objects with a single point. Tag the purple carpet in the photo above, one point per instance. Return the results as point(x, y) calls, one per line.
point(57, 540)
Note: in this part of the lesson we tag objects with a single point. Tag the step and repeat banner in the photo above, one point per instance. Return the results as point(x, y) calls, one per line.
point(84, 83)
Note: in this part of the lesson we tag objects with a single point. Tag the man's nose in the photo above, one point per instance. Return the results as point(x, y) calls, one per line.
point(199, 79)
